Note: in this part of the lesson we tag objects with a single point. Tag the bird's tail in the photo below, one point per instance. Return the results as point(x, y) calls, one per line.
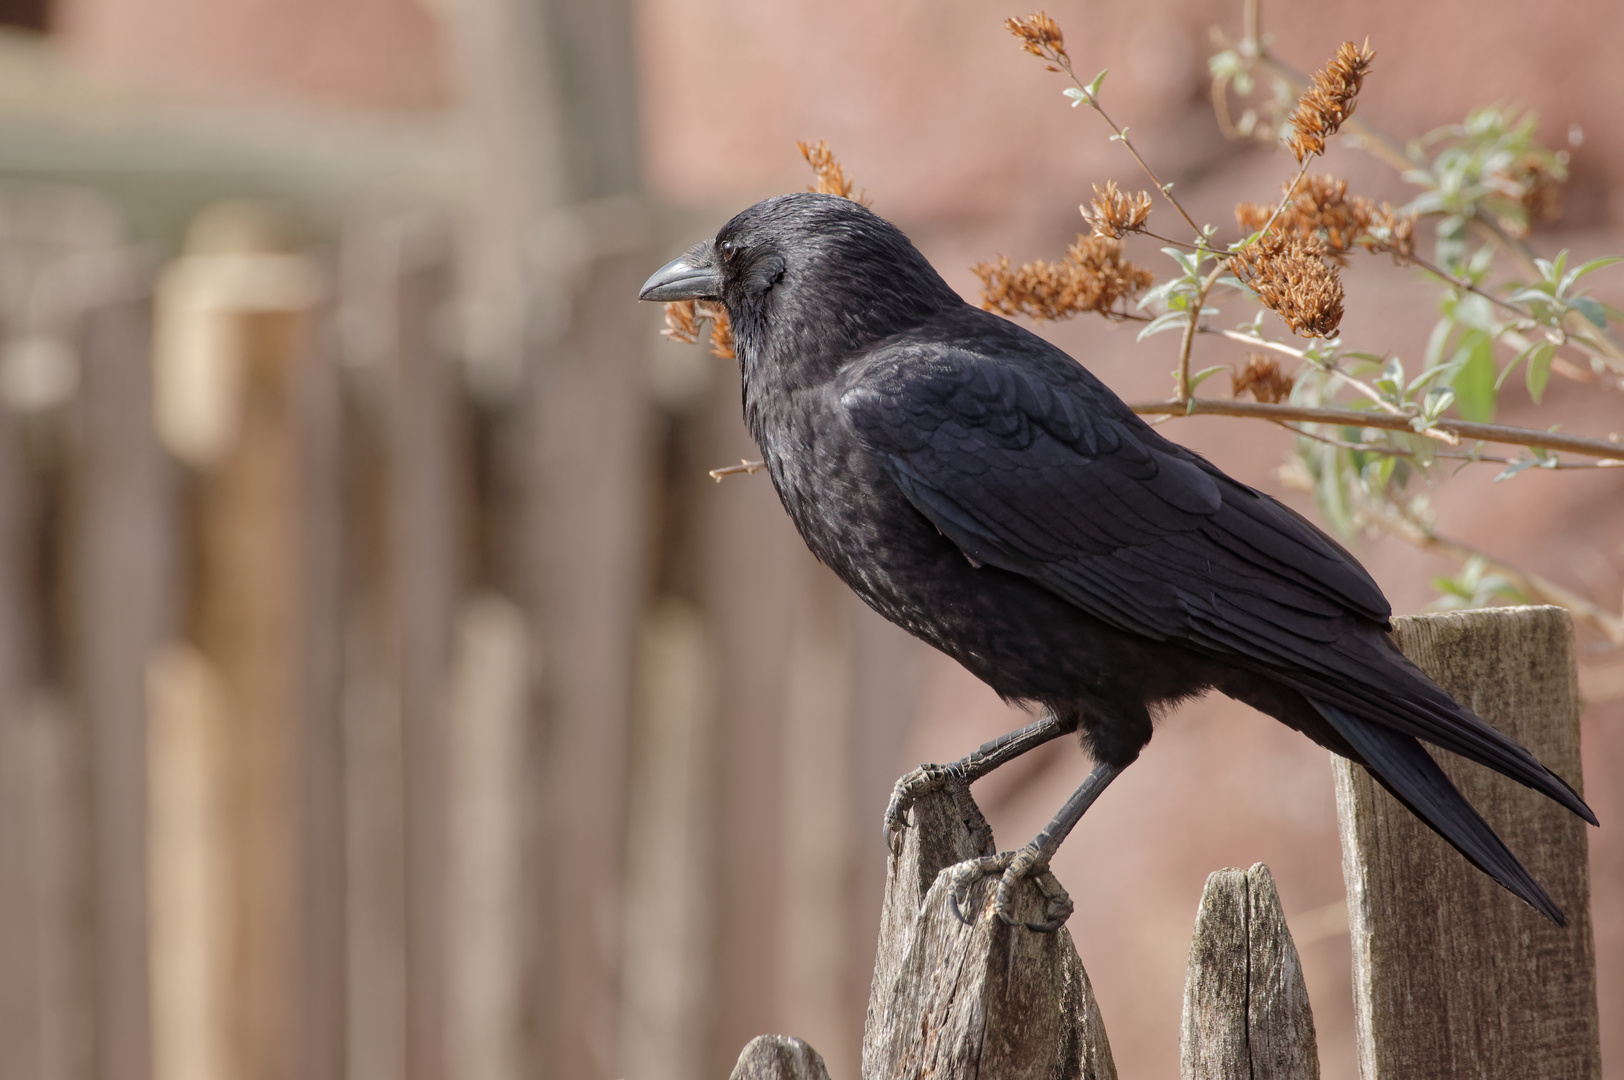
point(1403, 767)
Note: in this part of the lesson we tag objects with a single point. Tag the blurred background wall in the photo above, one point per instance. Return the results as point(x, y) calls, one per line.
point(387, 692)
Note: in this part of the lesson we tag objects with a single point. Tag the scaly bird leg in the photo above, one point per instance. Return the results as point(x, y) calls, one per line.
point(979, 763)
point(1033, 860)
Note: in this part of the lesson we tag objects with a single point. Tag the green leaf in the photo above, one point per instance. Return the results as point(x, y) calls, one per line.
point(1516, 467)
point(1094, 87)
point(1171, 320)
point(1590, 310)
point(1437, 400)
point(1437, 342)
point(1077, 96)
point(1204, 374)
point(1539, 369)
point(1474, 380)
point(1590, 268)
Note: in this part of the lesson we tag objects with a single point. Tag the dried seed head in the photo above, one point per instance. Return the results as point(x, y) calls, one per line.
point(1092, 277)
point(681, 323)
point(1292, 281)
point(685, 320)
point(1393, 232)
point(1536, 183)
point(1329, 99)
point(1264, 379)
point(1321, 212)
point(721, 336)
point(828, 177)
point(1111, 213)
point(1040, 36)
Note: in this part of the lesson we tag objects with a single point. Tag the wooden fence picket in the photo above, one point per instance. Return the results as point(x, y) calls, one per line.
point(1453, 976)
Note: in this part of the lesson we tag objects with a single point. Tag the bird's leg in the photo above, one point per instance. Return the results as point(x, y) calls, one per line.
point(1033, 859)
point(979, 763)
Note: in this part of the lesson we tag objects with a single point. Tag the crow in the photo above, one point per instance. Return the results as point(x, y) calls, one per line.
point(981, 489)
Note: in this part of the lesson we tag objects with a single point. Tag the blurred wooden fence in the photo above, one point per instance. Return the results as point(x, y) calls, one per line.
point(252, 564)
point(360, 721)
point(1454, 978)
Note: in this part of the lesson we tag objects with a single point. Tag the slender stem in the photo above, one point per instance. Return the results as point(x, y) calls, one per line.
point(1260, 342)
point(1358, 384)
point(1190, 328)
point(1407, 528)
point(1170, 240)
point(1290, 192)
point(743, 466)
point(1520, 252)
point(1121, 135)
point(1452, 455)
point(1496, 433)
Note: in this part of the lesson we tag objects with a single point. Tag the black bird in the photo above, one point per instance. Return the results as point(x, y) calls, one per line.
point(982, 490)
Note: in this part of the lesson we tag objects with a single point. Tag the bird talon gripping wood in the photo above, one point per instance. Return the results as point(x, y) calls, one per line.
point(982, 490)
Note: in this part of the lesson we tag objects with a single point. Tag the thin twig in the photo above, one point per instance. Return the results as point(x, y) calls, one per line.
point(1472, 432)
point(1121, 136)
point(743, 466)
point(1406, 528)
point(1523, 255)
point(1207, 283)
point(1452, 455)
point(1290, 192)
point(1358, 384)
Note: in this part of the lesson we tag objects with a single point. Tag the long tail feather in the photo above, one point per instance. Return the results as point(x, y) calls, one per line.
point(1404, 768)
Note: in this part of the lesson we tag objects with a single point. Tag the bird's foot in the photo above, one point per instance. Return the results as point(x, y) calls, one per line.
point(917, 782)
point(1013, 867)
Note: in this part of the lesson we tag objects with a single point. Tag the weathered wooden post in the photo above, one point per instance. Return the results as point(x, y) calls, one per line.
point(1453, 976)
point(983, 999)
point(1246, 1008)
point(954, 999)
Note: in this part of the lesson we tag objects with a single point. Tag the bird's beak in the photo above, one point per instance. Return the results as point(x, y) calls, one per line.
point(684, 278)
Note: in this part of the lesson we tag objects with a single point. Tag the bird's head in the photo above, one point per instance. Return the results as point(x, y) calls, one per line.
point(807, 279)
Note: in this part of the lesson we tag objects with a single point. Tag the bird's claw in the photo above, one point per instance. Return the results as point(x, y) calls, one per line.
point(904, 794)
point(1012, 867)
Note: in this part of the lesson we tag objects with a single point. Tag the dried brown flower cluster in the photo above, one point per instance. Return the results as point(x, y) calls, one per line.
point(1092, 277)
point(1040, 36)
point(1111, 213)
point(685, 321)
point(1537, 185)
point(1292, 281)
point(1263, 378)
point(1329, 99)
point(828, 177)
point(1322, 212)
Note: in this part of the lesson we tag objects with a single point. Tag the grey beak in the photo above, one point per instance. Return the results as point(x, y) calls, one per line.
point(683, 279)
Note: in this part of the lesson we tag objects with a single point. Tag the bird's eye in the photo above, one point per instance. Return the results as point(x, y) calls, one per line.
point(727, 248)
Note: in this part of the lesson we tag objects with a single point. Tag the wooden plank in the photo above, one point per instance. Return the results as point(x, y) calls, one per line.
point(778, 1057)
point(1246, 1009)
point(122, 506)
point(428, 518)
point(952, 1000)
point(670, 918)
point(319, 1020)
point(1453, 976)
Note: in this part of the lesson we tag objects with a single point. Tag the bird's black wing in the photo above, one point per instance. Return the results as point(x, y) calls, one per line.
point(1028, 463)
point(1042, 471)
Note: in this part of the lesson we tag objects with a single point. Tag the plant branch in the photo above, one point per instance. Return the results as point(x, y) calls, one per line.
point(1496, 433)
point(744, 466)
point(1121, 136)
point(1183, 387)
point(1406, 528)
point(1358, 384)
